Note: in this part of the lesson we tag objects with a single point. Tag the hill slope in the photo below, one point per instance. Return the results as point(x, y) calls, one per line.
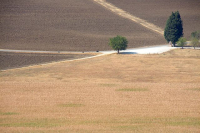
point(158, 11)
point(72, 25)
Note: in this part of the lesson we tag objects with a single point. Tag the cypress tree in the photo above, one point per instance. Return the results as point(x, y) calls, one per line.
point(174, 28)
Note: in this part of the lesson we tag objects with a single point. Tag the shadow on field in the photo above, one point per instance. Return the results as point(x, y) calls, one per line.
point(128, 53)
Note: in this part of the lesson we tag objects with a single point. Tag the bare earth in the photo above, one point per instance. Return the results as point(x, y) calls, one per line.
point(111, 94)
point(11, 60)
point(66, 25)
point(158, 11)
point(129, 16)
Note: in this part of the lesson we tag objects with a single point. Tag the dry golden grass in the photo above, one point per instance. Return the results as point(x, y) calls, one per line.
point(113, 93)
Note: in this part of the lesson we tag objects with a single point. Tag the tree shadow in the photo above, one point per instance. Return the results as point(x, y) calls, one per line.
point(128, 53)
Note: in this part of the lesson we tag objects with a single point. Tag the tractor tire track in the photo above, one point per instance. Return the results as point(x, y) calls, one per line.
point(129, 16)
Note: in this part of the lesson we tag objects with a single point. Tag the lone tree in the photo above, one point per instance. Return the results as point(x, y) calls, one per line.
point(195, 34)
point(195, 42)
point(181, 42)
point(118, 43)
point(195, 37)
point(174, 28)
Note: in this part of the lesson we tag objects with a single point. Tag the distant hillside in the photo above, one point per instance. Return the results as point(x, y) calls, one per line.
point(68, 25)
point(158, 11)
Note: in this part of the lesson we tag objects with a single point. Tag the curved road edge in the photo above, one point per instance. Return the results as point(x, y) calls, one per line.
point(142, 50)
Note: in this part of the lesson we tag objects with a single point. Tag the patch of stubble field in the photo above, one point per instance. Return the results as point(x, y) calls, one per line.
point(112, 94)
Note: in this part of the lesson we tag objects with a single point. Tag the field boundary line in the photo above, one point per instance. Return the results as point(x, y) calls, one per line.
point(54, 62)
point(102, 53)
point(129, 16)
point(43, 52)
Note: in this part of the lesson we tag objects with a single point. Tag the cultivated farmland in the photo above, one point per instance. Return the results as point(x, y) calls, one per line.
point(158, 11)
point(115, 93)
point(69, 25)
point(11, 60)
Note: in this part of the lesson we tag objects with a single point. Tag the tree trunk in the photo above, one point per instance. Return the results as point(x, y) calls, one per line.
point(118, 51)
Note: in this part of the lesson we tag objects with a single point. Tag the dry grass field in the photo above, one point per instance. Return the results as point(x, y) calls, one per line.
point(116, 93)
point(158, 11)
point(111, 94)
point(67, 25)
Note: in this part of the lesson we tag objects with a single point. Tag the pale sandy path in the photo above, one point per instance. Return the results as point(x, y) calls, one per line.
point(122, 13)
point(143, 50)
point(129, 16)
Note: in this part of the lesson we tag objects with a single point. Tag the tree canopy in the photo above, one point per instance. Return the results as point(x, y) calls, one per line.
point(195, 38)
point(195, 42)
point(195, 34)
point(174, 28)
point(181, 42)
point(118, 43)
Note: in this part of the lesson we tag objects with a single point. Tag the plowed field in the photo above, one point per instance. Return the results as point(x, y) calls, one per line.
point(15, 60)
point(69, 25)
point(158, 11)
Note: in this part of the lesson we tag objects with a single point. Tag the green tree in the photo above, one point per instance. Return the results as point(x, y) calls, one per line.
point(118, 43)
point(195, 42)
point(181, 42)
point(174, 28)
point(195, 34)
point(195, 38)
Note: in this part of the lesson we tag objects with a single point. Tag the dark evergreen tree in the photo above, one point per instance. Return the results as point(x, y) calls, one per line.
point(174, 28)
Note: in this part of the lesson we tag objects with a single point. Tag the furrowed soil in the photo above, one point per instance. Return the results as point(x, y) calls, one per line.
point(115, 93)
point(15, 60)
point(158, 11)
point(66, 25)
